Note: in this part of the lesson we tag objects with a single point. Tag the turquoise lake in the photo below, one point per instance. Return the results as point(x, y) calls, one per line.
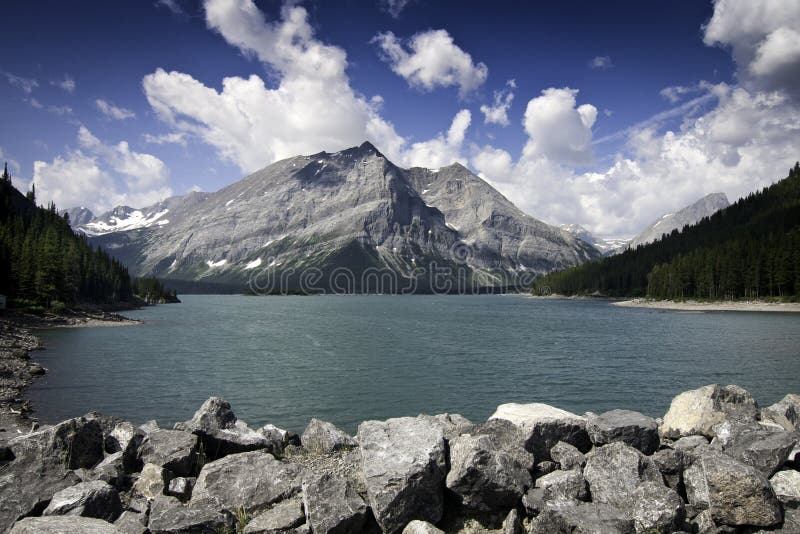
point(345, 359)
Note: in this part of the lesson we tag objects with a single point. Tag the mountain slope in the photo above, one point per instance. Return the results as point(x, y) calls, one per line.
point(353, 210)
point(607, 247)
point(705, 207)
point(750, 249)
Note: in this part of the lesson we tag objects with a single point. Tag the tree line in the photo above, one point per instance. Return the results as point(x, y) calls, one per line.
point(43, 263)
point(749, 250)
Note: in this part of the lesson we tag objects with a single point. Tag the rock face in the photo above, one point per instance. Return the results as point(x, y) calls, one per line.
point(484, 476)
point(705, 207)
point(282, 517)
point(785, 412)
point(324, 438)
point(87, 499)
point(51, 454)
point(573, 517)
point(545, 426)
point(171, 449)
point(697, 411)
point(221, 433)
point(735, 493)
point(253, 480)
point(63, 525)
point(632, 428)
point(786, 485)
point(614, 472)
point(764, 450)
point(350, 209)
point(563, 485)
point(404, 464)
point(567, 456)
point(333, 506)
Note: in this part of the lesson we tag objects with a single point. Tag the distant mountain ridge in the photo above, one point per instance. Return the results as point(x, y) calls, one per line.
point(352, 210)
point(705, 207)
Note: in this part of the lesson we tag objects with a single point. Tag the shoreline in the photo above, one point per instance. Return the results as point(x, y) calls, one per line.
point(17, 367)
point(713, 306)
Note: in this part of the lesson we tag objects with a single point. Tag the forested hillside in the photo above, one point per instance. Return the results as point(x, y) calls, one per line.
point(43, 263)
point(748, 250)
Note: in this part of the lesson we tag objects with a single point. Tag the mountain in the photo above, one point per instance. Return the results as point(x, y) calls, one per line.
point(302, 220)
point(750, 249)
point(705, 207)
point(606, 246)
point(78, 216)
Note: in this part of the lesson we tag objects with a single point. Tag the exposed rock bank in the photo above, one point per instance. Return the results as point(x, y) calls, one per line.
point(716, 463)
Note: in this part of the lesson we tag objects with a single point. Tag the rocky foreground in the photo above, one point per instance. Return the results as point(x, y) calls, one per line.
point(715, 463)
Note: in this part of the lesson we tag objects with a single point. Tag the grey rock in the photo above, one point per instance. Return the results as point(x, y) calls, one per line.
point(348, 209)
point(121, 435)
point(697, 411)
point(169, 515)
point(87, 499)
point(278, 438)
point(564, 485)
point(221, 432)
point(180, 487)
point(453, 424)
point(172, 449)
point(545, 468)
point(322, 437)
point(581, 518)
point(52, 453)
point(567, 456)
point(152, 481)
point(253, 480)
point(785, 412)
point(111, 470)
point(149, 426)
point(766, 451)
point(283, 517)
point(633, 428)
point(734, 492)
point(615, 470)
point(512, 524)
point(130, 522)
point(485, 477)
point(670, 462)
point(705, 207)
point(656, 508)
point(544, 426)
point(421, 527)
point(63, 525)
point(404, 462)
point(534, 501)
point(786, 485)
point(333, 506)
point(688, 443)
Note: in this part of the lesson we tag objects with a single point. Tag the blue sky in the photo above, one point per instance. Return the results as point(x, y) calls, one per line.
point(619, 112)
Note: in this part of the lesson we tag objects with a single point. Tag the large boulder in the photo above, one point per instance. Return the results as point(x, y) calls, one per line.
point(764, 450)
point(544, 426)
point(111, 470)
point(283, 517)
point(697, 411)
point(87, 499)
point(221, 433)
point(332, 505)
point(572, 517)
point(632, 428)
point(786, 485)
point(421, 527)
point(169, 516)
point(734, 492)
point(564, 485)
point(567, 456)
point(404, 462)
point(130, 522)
point(656, 508)
point(452, 424)
point(152, 481)
point(42, 466)
point(171, 449)
point(615, 470)
point(671, 463)
point(63, 525)
point(322, 437)
point(252, 480)
point(485, 476)
point(785, 412)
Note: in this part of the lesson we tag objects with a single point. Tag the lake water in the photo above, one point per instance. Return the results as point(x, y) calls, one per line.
point(346, 359)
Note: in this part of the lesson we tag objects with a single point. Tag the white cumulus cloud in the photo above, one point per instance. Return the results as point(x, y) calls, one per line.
point(557, 128)
point(497, 113)
point(431, 59)
point(310, 107)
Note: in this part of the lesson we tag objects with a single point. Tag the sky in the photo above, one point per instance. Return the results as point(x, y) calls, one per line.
point(603, 114)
